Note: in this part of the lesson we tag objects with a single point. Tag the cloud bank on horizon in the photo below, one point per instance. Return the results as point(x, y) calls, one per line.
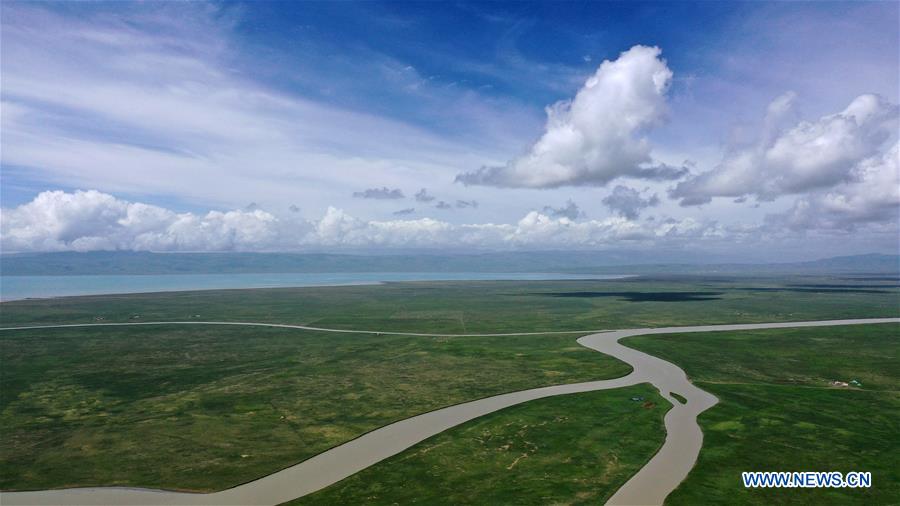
point(91, 220)
point(150, 127)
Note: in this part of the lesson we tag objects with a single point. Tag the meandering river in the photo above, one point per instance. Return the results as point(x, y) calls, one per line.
point(650, 485)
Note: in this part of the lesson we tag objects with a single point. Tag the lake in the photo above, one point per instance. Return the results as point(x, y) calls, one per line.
point(23, 287)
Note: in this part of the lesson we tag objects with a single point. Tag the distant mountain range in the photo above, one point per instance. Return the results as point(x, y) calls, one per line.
point(93, 263)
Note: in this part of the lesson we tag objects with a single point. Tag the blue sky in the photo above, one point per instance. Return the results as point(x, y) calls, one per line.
point(292, 126)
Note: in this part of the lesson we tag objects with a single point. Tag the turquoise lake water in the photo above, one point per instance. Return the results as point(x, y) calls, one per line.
point(23, 287)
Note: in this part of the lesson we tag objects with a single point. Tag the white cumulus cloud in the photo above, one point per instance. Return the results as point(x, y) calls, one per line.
point(871, 197)
point(808, 156)
point(91, 220)
point(598, 135)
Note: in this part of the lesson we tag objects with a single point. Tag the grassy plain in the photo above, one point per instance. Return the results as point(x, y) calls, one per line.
point(571, 449)
point(205, 407)
point(493, 306)
point(778, 412)
point(201, 408)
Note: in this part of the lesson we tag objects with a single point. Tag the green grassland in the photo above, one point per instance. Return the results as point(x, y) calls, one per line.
point(571, 449)
point(493, 306)
point(778, 412)
point(204, 407)
point(208, 407)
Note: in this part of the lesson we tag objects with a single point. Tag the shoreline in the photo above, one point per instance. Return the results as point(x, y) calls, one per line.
point(257, 281)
